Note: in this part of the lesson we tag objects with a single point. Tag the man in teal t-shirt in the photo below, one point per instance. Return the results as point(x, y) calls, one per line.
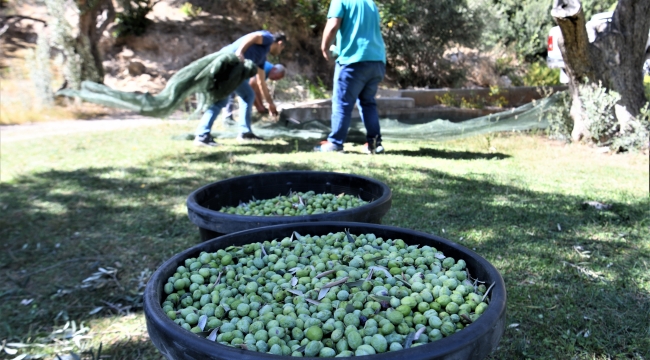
point(360, 67)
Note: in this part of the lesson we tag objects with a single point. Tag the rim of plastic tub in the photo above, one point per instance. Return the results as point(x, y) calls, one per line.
point(475, 341)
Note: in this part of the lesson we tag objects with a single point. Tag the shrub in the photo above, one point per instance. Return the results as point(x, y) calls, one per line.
point(598, 110)
point(133, 19)
point(417, 32)
point(559, 120)
point(636, 135)
point(190, 10)
point(539, 74)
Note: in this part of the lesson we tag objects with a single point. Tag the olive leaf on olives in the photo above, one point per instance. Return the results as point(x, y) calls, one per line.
point(322, 293)
point(357, 283)
point(348, 236)
point(379, 297)
point(312, 301)
point(487, 291)
point(203, 320)
point(418, 333)
point(213, 334)
point(409, 340)
point(325, 273)
point(465, 318)
point(295, 292)
point(382, 269)
point(336, 282)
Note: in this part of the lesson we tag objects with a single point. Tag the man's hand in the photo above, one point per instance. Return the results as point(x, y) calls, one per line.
point(326, 54)
point(329, 33)
point(273, 110)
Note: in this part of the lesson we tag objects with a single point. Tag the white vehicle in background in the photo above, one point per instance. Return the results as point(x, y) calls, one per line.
point(595, 25)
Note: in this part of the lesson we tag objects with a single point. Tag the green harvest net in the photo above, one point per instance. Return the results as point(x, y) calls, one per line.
point(530, 116)
point(215, 76)
point(211, 78)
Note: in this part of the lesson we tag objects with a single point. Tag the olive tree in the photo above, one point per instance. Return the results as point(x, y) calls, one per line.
point(80, 44)
point(614, 59)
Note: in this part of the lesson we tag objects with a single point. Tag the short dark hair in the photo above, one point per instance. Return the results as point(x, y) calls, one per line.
point(279, 36)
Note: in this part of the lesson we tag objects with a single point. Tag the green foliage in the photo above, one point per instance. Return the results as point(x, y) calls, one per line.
point(637, 133)
point(475, 101)
point(496, 100)
point(133, 19)
point(416, 34)
point(598, 111)
point(317, 91)
point(539, 74)
point(559, 119)
point(524, 24)
point(646, 86)
point(312, 12)
point(190, 10)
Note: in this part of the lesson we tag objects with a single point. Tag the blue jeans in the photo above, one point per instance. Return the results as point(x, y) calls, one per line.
point(356, 83)
point(246, 100)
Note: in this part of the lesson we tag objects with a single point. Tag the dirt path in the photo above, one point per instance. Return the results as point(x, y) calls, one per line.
point(11, 133)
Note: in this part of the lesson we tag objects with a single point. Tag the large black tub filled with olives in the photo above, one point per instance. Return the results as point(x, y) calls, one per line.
point(270, 304)
point(205, 203)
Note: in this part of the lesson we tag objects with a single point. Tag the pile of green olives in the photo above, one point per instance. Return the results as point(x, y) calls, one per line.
point(296, 204)
point(335, 295)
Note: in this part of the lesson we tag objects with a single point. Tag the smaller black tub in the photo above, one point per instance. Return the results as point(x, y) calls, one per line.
point(475, 342)
point(204, 203)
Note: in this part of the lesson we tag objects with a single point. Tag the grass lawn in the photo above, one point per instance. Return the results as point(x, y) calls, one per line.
point(578, 278)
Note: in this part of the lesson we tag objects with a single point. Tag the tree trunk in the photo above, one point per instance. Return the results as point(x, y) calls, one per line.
point(615, 58)
point(90, 32)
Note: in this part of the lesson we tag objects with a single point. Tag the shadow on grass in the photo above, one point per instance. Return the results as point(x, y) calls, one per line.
point(58, 227)
point(450, 155)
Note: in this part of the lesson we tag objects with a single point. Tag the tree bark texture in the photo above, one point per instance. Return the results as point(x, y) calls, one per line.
point(90, 32)
point(615, 58)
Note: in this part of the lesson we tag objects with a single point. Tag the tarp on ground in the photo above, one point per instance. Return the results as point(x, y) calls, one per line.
point(211, 78)
point(530, 116)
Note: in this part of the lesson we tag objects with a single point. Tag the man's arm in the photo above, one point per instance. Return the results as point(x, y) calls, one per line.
point(250, 39)
point(261, 83)
point(259, 105)
point(331, 27)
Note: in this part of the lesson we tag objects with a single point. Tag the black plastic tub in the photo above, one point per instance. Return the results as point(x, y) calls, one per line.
point(474, 342)
point(203, 204)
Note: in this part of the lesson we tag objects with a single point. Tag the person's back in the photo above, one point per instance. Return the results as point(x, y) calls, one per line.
point(360, 67)
point(359, 37)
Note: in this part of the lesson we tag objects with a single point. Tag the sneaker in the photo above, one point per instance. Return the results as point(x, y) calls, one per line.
point(368, 149)
point(249, 136)
point(326, 146)
point(205, 140)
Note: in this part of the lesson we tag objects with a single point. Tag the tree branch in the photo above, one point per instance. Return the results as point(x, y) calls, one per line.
point(565, 8)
